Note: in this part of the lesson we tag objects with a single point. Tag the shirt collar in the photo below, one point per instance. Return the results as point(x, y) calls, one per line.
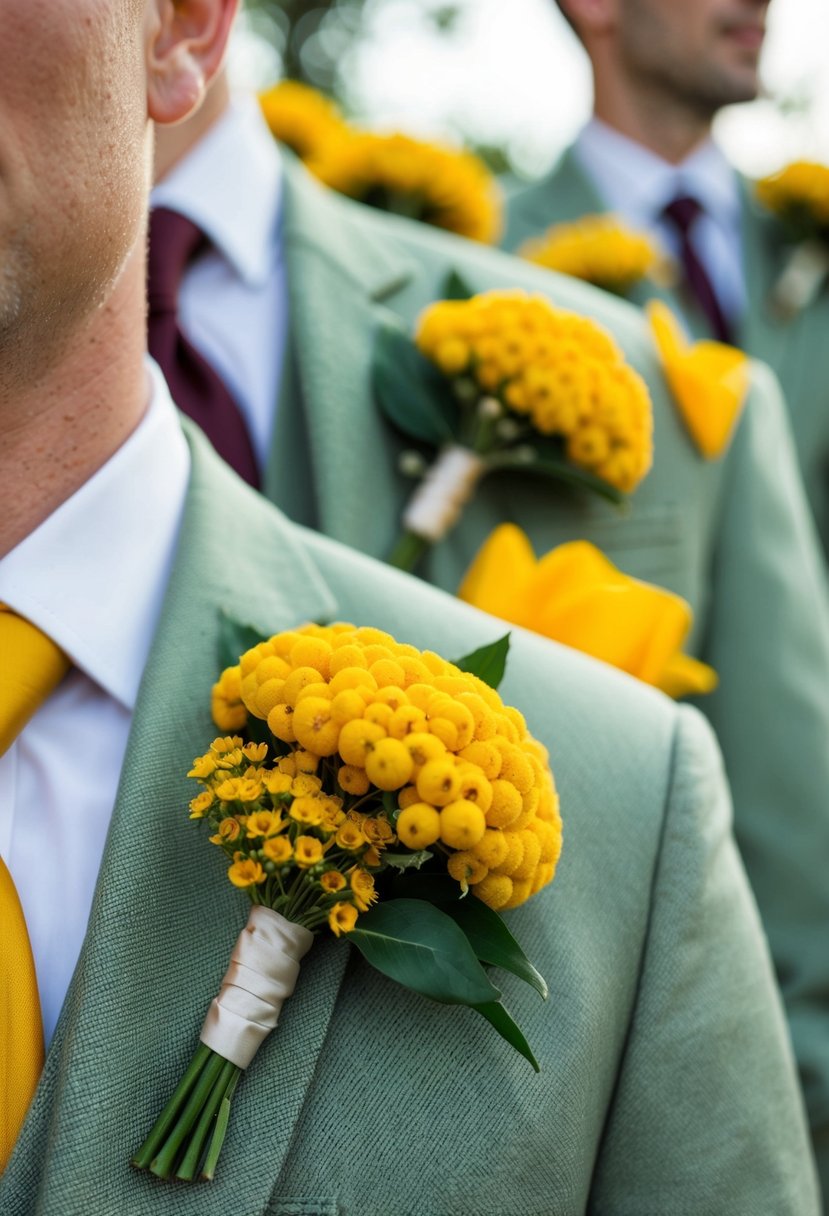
point(638, 184)
point(93, 575)
point(230, 184)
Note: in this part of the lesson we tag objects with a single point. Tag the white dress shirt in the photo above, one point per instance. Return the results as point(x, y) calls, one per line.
point(233, 304)
point(637, 184)
point(92, 576)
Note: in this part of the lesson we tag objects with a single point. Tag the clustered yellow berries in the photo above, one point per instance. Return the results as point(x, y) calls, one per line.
point(599, 249)
point(800, 193)
point(561, 373)
point(439, 185)
point(301, 117)
point(368, 718)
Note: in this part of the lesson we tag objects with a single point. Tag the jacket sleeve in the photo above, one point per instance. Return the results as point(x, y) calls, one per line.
point(706, 1117)
point(768, 638)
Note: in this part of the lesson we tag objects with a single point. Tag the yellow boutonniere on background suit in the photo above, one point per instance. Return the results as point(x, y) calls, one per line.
point(602, 250)
point(378, 786)
point(576, 596)
point(709, 380)
point(505, 381)
point(799, 196)
point(430, 182)
point(301, 117)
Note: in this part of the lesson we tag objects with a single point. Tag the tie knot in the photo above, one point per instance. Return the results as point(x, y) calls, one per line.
point(31, 667)
point(682, 212)
point(174, 242)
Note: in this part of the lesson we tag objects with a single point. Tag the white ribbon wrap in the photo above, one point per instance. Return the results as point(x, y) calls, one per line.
point(802, 278)
point(263, 971)
point(436, 504)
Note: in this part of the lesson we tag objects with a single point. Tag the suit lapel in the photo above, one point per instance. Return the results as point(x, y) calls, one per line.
point(565, 194)
point(164, 917)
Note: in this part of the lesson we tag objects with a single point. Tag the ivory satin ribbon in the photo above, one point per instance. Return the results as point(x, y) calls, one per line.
point(436, 504)
point(263, 971)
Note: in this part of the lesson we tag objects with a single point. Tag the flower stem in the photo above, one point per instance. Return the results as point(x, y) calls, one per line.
point(220, 1129)
point(190, 1163)
point(164, 1164)
point(165, 1120)
point(408, 551)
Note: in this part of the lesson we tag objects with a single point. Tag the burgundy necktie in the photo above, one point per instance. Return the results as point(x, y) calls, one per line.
point(683, 213)
point(194, 385)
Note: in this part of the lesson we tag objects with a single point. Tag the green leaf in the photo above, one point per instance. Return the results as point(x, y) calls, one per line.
point(492, 941)
point(488, 663)
point(422, 948)
point(234, 639)
point(555, 469)
point(455, 287)
point(410, 391)
point(406, 861)
point(502, 1021)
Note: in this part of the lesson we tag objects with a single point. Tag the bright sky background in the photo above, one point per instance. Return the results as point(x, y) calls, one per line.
point(512, 72)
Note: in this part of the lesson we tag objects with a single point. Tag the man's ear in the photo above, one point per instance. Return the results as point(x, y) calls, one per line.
point(590, 16)
point(185, 44)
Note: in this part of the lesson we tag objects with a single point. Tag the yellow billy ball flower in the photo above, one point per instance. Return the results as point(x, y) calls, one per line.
point(301, 117)
point(314, 727)
point(246, 873)
point(418, 826)
point(491, 850)
point(506, 804)
point(495, 890)
point(332, 881)
point(227, 707)
point(362, 886)
point(358, 739)
point(466, 868)
point(462, 824)
point(439, 782)
point(307, 851)
point(389, 764)
point(342, 918)
point(353, 780)
point(423, 747)
point(278, 850)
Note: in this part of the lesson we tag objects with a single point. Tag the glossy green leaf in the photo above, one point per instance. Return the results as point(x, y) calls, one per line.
point(558, 470)
point(503, 1022)
point(488, 663)
point(455, 287)
point(422, 948)
point(492, 941)
point(234, 639)
point(411, 393)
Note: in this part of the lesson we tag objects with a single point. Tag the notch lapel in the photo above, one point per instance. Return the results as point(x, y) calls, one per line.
point(164, 917)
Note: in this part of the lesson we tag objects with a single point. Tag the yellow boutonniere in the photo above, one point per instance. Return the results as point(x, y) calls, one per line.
point(709, 380)
point(576, 596)
point(301, 117)
point(438, 185)
point(601, 250)
point(799, 196)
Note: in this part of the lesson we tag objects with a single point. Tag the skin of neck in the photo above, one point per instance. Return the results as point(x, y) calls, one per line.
point(653, 117)
point(69, 403)
point(172, 143)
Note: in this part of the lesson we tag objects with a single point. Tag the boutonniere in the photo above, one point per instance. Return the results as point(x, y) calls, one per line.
point(300, 117)
point(443, 186)
point(384, 796)
point(506, 381)
point(576, 596)
point(709, 380)
point(602, 250)
point(799, 196)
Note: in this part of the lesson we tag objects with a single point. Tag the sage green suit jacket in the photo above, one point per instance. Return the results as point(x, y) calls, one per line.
point(732, 536)
point(667, 1084)
point(797, 348)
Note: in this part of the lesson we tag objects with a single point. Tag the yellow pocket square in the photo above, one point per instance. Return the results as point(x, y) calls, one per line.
point(709, 380)
point(576, 596)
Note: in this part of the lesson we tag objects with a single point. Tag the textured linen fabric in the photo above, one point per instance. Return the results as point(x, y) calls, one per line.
point(92, 576)
point(369, 1101)
point(796, 348)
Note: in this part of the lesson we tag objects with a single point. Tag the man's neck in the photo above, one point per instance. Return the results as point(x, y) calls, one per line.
point(61, 426)
point(659, 123)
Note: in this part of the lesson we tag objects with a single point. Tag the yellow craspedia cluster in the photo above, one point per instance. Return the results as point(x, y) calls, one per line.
point(799, 192)
point(293, 846)
point(470, 781)
point(562, 373)
point(438, 185)
point(301, 117)
point(599, 249)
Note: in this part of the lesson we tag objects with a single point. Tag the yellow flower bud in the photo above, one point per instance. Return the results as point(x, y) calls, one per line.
point(506, 804)
point(201, 804)
point(495, 890)
point(342, 918)
point(332, 881)
point(350, 837)
point(229, 830)
point(357, 739)
point(462, 824)
point(389, 765)
point(314, 727)
point(278, 850)
point(418, 826)
point(246, 873)
point(439, 782)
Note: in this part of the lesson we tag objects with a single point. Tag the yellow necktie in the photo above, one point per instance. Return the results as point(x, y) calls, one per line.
point(31, 667)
